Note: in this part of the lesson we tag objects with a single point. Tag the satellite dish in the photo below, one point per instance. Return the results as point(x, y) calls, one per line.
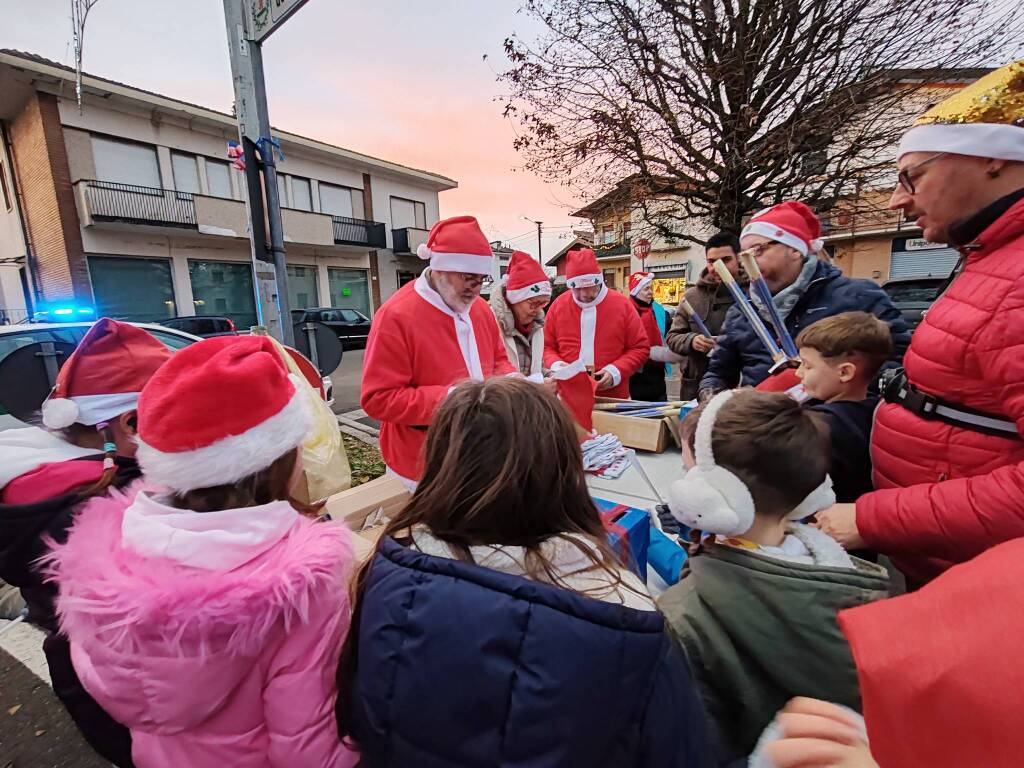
point(27, 376)
point(319, 344)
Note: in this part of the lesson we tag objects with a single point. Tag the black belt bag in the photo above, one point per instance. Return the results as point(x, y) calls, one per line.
point(895, 388)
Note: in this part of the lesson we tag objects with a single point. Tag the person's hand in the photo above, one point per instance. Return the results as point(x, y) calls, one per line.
point(816, 734)
point(840, 522)
point(604, 380)
point(550, 385)
point(703, 344)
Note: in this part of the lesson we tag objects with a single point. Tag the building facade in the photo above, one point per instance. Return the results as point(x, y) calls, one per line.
point(131, 207)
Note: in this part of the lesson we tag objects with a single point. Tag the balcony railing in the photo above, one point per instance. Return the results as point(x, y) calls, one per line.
point(407, 239)
point(113, 201)
point(348, 231)
point(849, 222)
point(621, 248)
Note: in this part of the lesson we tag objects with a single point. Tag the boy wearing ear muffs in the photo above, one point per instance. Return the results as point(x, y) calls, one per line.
point(755, 610)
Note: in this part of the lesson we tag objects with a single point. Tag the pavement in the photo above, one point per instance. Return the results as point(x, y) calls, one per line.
point(347, 381)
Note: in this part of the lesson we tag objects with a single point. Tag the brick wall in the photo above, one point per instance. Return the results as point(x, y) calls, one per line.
point(41, 162)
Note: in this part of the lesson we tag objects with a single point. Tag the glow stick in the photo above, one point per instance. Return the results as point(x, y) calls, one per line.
point(688, 308)
point(764, 293)
point(748, 311)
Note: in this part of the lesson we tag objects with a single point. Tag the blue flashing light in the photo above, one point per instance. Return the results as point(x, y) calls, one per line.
point(85, 311)
point(63, 311)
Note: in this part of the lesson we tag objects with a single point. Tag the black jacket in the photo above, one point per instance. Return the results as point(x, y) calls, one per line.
point(849, 423)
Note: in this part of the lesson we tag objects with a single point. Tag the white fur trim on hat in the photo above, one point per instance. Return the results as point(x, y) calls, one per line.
point(766, 229)
point(585, 281)
point(61, 412)
point(998, 141)
point(644, 282)
point(235, 457)
point(473, 263)
point(542, 288)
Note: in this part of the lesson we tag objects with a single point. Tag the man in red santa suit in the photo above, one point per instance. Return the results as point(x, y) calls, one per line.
point(432, 334)
point(594, 327)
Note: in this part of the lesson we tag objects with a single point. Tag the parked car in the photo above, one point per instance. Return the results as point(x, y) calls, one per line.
point(13, 337)
point(912, 296)
point(352, 327)
point(205, 326)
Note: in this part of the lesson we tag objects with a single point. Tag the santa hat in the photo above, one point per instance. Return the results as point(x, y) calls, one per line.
point(791, 223)
point(104, 375)
point(581, 269)
point(526, 279)
point(985, 119)
point(221, 410)
point(457, 245)
point(638, 281)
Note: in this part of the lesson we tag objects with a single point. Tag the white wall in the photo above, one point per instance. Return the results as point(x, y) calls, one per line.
point(384, 188)
point(12, 246)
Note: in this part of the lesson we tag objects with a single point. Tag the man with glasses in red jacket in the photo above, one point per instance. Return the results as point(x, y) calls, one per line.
point(947, 445)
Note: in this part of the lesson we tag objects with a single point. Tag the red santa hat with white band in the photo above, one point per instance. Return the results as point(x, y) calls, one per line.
point(219, 411)
point(526, 279)
point(638, 281)
point(104, 375)
point(457, 245)
point(582, 270)
point(791, 223)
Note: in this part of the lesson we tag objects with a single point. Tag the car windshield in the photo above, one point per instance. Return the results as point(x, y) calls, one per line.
point(913, 292)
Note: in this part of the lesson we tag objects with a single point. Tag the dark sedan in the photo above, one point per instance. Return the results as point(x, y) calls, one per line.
point(912, 296)
point(351, 326)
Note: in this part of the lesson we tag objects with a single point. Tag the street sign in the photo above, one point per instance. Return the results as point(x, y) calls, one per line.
point(642, 249)
point(265, 16)
point(920, 244)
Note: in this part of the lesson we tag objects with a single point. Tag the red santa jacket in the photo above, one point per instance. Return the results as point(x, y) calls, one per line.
point(940, 669)
point(612, 338)
point(951, 493)
point(413, 357)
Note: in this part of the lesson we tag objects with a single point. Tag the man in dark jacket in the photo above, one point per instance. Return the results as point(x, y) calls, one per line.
point(711, 301)
point(805, 290)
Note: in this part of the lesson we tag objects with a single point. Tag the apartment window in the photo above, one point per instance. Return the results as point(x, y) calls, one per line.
point(218, 178)
point(125, 162)
point(341, 201)
point(302, 195)
point(609, 278)
point(132, 289)
point(282, 190)
point(405, 277)
point(223, 288)
point(302, 287)
point(186, 172)
point(408, 213)
point(3, 188)
point(349, 289)
point(606, 234)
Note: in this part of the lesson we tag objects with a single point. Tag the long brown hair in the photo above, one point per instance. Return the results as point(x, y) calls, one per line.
point(83, 435)
point(273, 483)
point(503, 467)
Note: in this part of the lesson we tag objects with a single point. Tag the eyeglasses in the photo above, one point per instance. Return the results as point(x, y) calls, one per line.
point(906, 181)
point(474, 279)
point(757, 250)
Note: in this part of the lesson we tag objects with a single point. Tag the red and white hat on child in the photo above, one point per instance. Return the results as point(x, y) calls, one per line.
point(581, 269)
point(221, 410)
point(104, 375)
point(791, 223)
point(526, 279)
point(638, 281)
point(457, 245)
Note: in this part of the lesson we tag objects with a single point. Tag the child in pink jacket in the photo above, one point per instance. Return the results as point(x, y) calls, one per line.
point(204, 611)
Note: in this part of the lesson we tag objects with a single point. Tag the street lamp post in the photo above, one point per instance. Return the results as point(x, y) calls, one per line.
point(540, 256)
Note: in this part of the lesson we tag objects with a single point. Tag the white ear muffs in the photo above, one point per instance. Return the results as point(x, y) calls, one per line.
point(711, 498)
point(822, 497)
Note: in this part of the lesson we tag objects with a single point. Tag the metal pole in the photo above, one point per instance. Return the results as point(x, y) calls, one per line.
point(253, 125)
point(540, 256)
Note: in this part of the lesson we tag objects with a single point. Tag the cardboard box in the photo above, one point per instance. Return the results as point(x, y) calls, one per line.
point(635, 432)
point(629, 532)
point(366, 542)
point(355, 505)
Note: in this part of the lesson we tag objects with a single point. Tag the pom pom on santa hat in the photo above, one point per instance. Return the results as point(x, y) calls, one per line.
point(526, 279)
point(103, 377)
point(582, 270)
point(457, 245)
point(221, 410)
point(791, 223)
point(638, 281)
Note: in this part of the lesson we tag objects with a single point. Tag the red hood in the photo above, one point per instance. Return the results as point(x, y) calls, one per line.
point(50, 481)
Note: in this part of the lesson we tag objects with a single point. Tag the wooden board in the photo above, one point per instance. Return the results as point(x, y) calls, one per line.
point(634, 432)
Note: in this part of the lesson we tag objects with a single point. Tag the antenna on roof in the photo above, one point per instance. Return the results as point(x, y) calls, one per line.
point(79, 11)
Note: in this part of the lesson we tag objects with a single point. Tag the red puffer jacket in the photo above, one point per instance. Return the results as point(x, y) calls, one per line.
point(948, 494)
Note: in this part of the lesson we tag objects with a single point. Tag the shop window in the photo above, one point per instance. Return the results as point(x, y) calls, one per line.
point(301, 286)
point(224, 288)
point(349, 289)
point(132, 289)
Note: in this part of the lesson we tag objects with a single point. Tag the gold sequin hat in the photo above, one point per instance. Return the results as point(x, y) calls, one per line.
point(985, 119)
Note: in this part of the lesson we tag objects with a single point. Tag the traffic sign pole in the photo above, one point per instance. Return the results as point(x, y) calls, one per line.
point(254, 131)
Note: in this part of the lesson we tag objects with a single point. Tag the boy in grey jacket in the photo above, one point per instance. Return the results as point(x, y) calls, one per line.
point(755, 610)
